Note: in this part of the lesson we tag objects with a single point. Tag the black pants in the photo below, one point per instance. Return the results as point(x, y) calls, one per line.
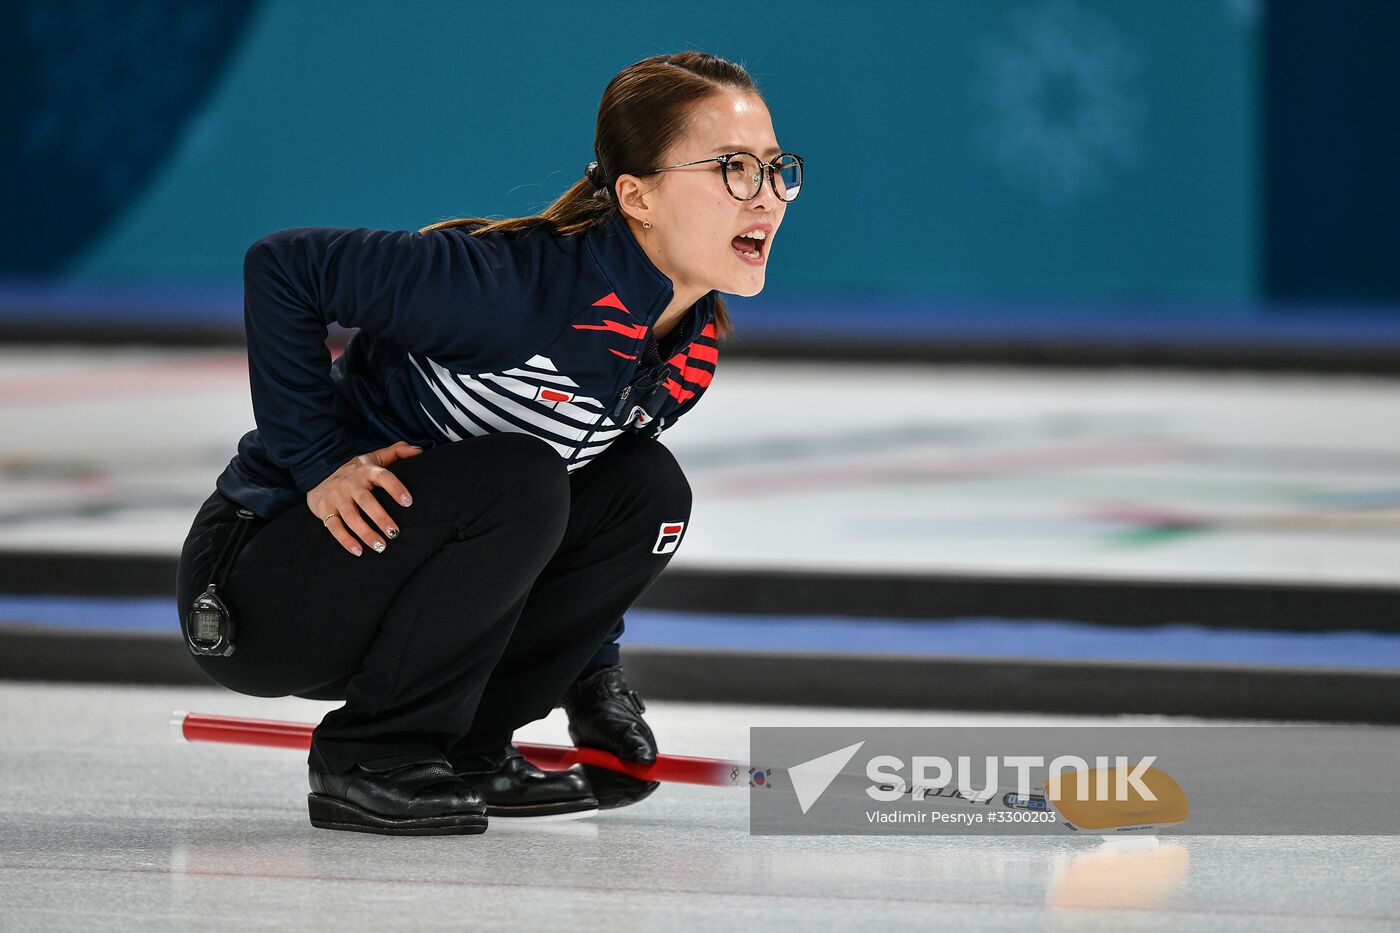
point(507, 576)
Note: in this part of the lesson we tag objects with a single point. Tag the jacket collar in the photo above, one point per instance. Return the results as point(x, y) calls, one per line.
point(644, 289)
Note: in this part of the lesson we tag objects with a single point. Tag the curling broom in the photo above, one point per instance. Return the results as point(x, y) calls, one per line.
point(1132, 815)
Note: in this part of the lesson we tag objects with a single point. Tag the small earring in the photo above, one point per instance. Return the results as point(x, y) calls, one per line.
point(647, 224)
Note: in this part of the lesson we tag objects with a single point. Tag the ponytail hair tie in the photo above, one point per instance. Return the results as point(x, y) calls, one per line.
point(594, 174)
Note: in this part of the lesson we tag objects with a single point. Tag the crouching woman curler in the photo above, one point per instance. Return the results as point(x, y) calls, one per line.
point(444, 526)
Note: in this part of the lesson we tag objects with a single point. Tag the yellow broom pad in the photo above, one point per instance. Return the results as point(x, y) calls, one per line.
point(1106, 811)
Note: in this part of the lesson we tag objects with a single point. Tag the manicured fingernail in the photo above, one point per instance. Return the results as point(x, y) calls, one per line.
point(406, 500)
point(392, 532)
point(378, 547)
point(356, 551)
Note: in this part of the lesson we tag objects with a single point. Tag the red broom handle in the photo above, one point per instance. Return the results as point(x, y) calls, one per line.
point(679, 769)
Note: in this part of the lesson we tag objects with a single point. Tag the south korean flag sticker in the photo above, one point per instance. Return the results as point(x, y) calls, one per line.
point(669, 538)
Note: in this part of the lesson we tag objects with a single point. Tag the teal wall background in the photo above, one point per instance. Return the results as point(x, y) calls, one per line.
point(997, 150)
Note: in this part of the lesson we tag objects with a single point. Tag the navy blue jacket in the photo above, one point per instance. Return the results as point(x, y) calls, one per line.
point(458, 335)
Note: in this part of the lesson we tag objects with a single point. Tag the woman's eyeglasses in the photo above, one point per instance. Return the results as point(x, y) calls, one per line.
point(743, 174)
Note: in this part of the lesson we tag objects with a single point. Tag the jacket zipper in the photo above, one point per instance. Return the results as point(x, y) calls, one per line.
point(659, 373)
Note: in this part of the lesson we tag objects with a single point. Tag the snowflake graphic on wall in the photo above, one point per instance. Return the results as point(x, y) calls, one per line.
point(1059, 98)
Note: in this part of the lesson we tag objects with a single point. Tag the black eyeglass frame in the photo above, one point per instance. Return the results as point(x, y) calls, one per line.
point(768, 168)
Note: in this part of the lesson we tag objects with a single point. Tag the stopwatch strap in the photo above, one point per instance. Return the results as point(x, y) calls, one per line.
point(231, 546)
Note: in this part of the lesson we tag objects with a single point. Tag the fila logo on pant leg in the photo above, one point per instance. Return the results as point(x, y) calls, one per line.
point(669, 538)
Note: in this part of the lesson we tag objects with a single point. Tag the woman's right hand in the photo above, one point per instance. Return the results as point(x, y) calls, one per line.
point(351, 488)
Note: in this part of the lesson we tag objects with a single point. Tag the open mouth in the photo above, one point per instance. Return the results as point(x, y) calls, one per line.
point(750, 249)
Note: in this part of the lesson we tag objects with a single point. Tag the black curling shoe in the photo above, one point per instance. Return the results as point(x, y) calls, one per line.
point(403, 795)
point(511, 786)
point(605, 712)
